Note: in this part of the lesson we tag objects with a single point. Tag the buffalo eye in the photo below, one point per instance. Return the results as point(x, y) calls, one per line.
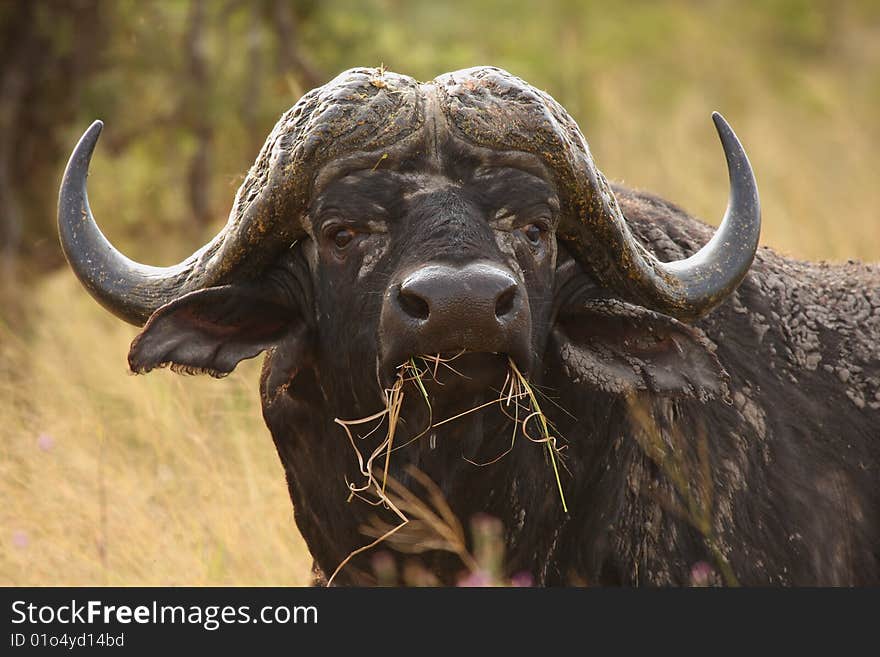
point(341, 237)
point(534, 233)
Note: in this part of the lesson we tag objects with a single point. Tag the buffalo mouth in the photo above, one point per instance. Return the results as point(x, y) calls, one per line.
point(451, 374)
point(452, 394)
point(442, 408)
point(458, 373)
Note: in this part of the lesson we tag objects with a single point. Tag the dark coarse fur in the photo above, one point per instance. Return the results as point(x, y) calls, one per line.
point(793, 449)
point(794, 453)
point(748, 440)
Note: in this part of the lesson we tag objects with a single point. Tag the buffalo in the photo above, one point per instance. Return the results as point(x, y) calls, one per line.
point(664, 401)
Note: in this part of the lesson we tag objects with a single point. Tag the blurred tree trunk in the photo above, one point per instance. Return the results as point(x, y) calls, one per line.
point(18, 44)
point(197, 105)
point(42, 67)
point(250, 98)
point(290, 55)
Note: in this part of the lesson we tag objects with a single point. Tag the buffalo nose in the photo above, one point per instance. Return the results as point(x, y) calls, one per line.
point(440, 308)
point(441, 294)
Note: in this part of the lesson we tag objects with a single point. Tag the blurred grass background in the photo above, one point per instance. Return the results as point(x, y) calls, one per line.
point(111, 479)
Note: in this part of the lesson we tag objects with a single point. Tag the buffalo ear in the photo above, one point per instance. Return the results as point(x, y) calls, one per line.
point(622, 348)
point(210, 331)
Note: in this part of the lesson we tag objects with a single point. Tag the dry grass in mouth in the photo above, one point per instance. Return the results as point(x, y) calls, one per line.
point(517, 395)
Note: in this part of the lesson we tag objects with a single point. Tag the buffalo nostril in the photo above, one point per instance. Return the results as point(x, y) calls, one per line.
point(413, 305)
point(504, 303)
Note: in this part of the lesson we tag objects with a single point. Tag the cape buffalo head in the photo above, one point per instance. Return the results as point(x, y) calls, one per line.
point(385, 219)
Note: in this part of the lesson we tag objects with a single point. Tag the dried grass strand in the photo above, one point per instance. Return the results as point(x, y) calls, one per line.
point(443, 523)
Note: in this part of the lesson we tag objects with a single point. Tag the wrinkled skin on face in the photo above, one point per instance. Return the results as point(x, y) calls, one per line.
point(437, 203)
point(370, 229)
point(432, 224)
